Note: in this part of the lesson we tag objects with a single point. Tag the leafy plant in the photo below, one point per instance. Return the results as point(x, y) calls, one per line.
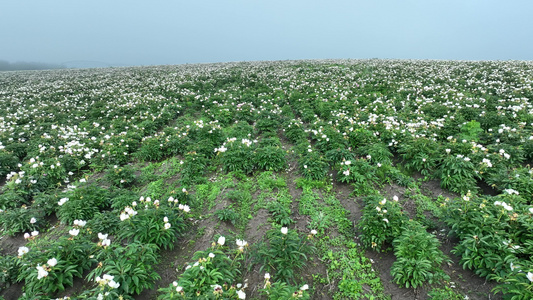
point(418, 257)
point(285, 253)
point(270, 158)
point(154, 222)
point(213, 275)
point(227, 215)
point(132, 266)
point(82, 203)
point(382, 221)
point(313, 166)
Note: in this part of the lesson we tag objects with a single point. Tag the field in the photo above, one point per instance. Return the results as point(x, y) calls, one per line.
point(331, 179)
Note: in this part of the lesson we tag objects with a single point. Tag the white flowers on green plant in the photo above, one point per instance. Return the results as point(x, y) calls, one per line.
point(221, 241)
point(52, 262)
point(305, 287)
point(33, 220)
point(530, 276)
point(62, 201)
point(107, 280)
point(284, 230)
point(504, 205)
point(241, 294)
point(41, 272)
point(74, 232)
point(79, 223)
point(22, 251)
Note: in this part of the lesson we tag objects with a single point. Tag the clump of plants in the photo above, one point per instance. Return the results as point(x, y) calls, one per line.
point(213, 274)
point(382, 221)
point(285, 253)
point(418, 257)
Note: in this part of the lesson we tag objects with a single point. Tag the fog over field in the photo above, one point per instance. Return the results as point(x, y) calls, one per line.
point(125, 33)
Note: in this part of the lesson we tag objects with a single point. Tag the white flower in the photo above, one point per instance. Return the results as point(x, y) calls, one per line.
point(347, 162)
point(313, 232)
point(395, 198)
point(530, 276)
point(165, 219)
point(52, 262)
point(175, 283)
point(382, 202)
point(531, 210)
point(33, 220)
point(346, 173)
point(284, 230)
point(267, 275)
point(241, 294)
point(41, 272)
point(102, 236)
point(386, 221)
point(62, 201)
point(124, 216)
point(179, 289)
point(241, 243)
point(304, 287)
point(114, 285)
point(106, 242)
point(74, 232)
point(23, 250)
point(26, 235)
point(35, 233)
point(221, 241)
point(167, 225)
point(80, 223)
point(212, 255)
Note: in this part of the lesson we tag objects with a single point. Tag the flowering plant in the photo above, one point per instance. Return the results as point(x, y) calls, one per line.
point(212, 274)
point(285, 252)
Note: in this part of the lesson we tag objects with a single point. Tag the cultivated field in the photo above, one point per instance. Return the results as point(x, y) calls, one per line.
point(332, 179)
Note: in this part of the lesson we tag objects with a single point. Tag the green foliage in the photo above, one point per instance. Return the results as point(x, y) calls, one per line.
point(382, 221)
point(227, 215)
point(420, 154)
point(131, 266)
point(284, 254)
point(121, 176)
point(270, 158)
point(418, 257)
point(239, 156)
point(313, 166)
point(8, 163)
point(212, 275)
point(281, 214)
point(72, 257)
point(83, 203)
point(457, 173)
point(444, 293)
point(280, 290)
point(153, 222)
point(23, 219)
point(470, 131)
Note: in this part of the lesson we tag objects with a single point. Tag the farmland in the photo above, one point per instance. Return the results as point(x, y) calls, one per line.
point(330, 179)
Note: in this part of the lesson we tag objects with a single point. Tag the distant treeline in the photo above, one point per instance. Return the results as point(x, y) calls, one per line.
point(23, 65)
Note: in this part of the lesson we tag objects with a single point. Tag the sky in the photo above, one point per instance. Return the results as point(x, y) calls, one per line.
point(160, 32)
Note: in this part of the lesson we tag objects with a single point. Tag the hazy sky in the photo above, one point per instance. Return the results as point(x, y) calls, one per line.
point(174, 32)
